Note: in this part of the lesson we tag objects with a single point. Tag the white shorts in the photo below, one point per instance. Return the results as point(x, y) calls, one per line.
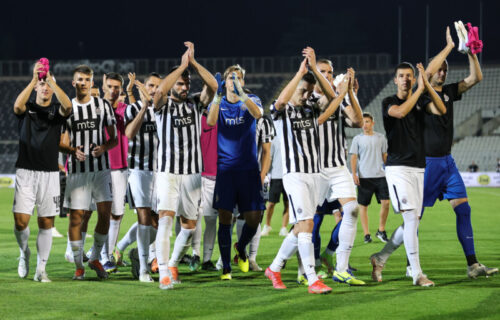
point(119, 179)
point(180, 193)
point(406, 187)
point(207, 197)
point(340, 183)
point(305, 192)
point(37, 188)
point(82, 188)
point(141, 186)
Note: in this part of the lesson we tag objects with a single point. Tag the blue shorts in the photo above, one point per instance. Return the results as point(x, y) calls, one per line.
point(442, 180)
point(328, 207)
point(238, 188)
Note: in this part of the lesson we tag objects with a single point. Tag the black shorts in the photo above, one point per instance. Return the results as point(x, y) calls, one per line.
point(275, 190)
point(329, 207)
point(369, 186)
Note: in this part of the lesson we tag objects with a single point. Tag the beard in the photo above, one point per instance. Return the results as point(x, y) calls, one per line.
point(179, 95)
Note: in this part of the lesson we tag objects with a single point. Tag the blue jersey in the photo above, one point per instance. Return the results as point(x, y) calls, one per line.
point(236, 148)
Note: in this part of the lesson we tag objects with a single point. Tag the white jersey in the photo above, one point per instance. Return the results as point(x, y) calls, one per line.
point(143, 148)
point(298, 127)
point(179, 130)
point(86, 127)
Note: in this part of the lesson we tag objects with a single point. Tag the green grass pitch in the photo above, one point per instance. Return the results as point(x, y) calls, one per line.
point(251, 296)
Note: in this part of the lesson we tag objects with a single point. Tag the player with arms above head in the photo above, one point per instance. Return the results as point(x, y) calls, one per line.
point(297, 119)
point(141, 131)
point(178, 119)
point(403, 115)
point(238, 181)
point(37, 170)
point(442, 179)
point(89, 176)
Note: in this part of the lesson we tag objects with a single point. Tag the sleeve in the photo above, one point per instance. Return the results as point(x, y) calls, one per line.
point(131, 112)
point(423, 101)
point(257, 101)
point(276, 114)
point(109, 115)
point(384, 143)
point(452, 91)
point(266, 131)
point(354, 145)
point(386, 103)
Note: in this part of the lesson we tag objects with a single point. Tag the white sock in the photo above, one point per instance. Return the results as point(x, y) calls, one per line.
point(411, 221)
point(129, 238)
point(306, 250)
point(104, 256)
point(394, 242)
point(254, 244)
point(22, 240)
point(143, 247)
point(287, 249)
point(180, 246)
point(177, 226)
point(152, 234)
point(77, 248)
point(99, 240)
point(300, 269)
point(209, 237)
point(239, 227)
point(152, 252)
point(347, 234)
point(163, 244)
point(114, 230)
point(84, 236)
point(68, 246)
point(196, 244)
point(43, 246)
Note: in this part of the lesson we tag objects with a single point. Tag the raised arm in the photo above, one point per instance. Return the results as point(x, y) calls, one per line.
point(322, 81)
point(23, 97)
point(402, 110)
point(133, 127)
point(335, 103)
point(353, 112)
point(213, 114)
point(287, 93)
point(436, 106)
point(438, 60)
point(130, 87)
point(475, 74)
point(168, 82)
point(253, 108)
point(66, 105)
point(205, 75)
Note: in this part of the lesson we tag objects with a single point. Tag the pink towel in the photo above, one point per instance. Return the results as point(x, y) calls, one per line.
point(475, 45)
point(45, 63)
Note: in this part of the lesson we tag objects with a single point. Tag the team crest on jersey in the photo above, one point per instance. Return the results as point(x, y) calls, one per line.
point(446, 98)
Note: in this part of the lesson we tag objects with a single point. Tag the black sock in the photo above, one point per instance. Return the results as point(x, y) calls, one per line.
point(471, 259)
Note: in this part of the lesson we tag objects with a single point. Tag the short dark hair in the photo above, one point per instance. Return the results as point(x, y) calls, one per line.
point(83, 69)
point(185, 74)
point(404, 65)
point(152, 74)
point(309, 78)
point(115, 76)
point(367, 115)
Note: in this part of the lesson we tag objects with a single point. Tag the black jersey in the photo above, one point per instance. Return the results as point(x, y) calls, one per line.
point(39, 136)
point(438, 130)
point(405, 137)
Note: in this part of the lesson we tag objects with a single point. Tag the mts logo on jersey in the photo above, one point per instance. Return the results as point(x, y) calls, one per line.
point(235, 121)
point(182, 121)
point(83, 125)
point(302, 124)
point(149, 126)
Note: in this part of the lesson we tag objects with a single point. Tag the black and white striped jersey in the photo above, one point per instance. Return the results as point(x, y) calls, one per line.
point(86, 127)
point(265, 132)
point(332, 141)
point(298, 129)
point(143, 148)
point(179, 129)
